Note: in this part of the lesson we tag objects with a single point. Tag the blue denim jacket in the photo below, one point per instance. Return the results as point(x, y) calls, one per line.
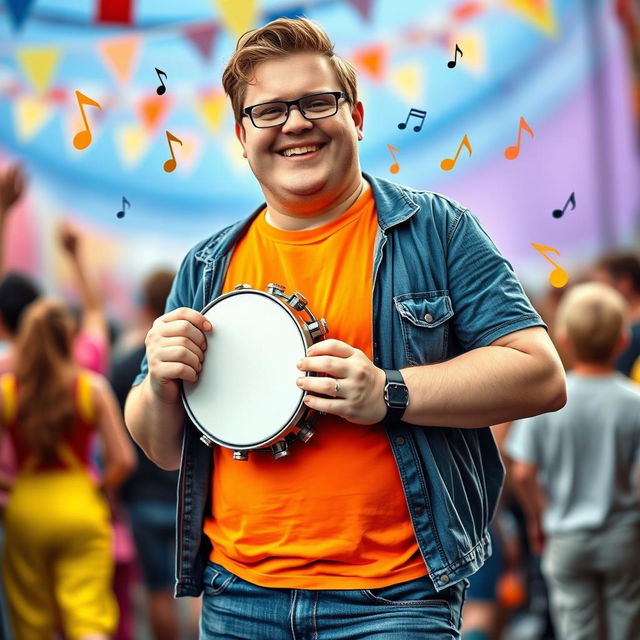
point(440, 288)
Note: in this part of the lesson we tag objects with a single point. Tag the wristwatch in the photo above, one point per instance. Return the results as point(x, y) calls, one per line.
point(396, 395)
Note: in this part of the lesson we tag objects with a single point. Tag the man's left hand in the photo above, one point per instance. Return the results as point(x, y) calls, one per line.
point(359, 382)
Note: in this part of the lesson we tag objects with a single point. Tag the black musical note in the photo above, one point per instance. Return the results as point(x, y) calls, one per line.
point(452, 63)
point(558, 213)
point(120, 214)
point(419, 113)
point(161, 89)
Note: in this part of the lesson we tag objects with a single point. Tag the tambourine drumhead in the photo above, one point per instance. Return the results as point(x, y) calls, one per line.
point(246, 394)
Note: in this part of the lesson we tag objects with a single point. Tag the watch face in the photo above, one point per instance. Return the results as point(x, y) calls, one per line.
point(398, 395)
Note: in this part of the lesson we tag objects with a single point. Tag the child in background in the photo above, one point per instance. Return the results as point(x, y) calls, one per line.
point(577, 475)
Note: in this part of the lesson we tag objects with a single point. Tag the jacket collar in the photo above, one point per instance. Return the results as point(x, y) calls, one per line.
point(394, 205)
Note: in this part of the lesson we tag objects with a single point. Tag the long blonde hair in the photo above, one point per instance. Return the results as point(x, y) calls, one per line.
point(45, 374)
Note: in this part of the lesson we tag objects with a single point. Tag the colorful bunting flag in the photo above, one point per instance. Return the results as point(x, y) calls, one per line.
point(152, 110)
point(238, 17)
point(474, 55)
point(363, 7)
point(38, 65)
point(539, 13)
point(118, 11)
point(407, 81)
point(371, 60)
point(202, 37)
point(30, 116)
point(120, 56)
point(210, 107)
point(132, 143)
point(18, 11)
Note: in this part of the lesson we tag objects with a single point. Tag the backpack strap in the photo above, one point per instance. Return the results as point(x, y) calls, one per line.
point(8, 389)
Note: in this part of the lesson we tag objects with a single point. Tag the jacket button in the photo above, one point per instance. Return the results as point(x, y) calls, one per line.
point(399, 440)
point(428, 317)
point(419, 511)
point(444, 579)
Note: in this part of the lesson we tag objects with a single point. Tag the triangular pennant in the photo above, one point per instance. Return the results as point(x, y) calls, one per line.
point(152, 109)
point(202, 37)
point(467, 10)
point(38, 65)
point(210, 107)
point(407, 81)
point(471, 44)
point(539, 13)
point(371, 60)
point(132, 142)
point(18, 11)
point(238, 17)
point(118, 11)
point(120, 56)
point(363, 7)
point(30, 115)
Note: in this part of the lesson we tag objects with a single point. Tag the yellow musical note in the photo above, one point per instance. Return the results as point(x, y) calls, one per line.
point(558, 277)
point(83, 138)
point(394, 168)
point(448, 163)
point(511, 153)
point(170, 164)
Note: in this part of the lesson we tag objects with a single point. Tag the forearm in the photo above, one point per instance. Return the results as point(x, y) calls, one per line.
point(155, 425)
point(482, 387)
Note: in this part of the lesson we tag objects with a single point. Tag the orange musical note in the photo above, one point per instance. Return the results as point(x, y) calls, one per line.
point(394, 168)
point(453, 62)
point(511, 153)
point(170, 164)
point(83, 138)
point(558, 277)
point(448, 163)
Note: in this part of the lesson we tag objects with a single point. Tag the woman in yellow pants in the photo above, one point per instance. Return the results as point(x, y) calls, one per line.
point(57, 556)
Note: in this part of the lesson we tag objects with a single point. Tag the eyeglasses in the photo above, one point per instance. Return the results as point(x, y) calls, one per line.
point(312, 107)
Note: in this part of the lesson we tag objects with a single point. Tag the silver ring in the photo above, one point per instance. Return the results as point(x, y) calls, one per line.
point(337, 387)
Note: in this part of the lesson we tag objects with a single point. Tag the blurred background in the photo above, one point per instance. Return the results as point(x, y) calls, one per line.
point(565, 66)
point(561, 76)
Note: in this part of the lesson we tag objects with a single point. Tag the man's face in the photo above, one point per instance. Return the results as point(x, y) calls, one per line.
point(313, 180)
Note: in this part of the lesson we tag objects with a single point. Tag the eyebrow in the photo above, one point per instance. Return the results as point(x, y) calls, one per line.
point(308, 93)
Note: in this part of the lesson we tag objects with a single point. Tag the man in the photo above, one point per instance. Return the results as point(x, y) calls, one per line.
point(370, 530)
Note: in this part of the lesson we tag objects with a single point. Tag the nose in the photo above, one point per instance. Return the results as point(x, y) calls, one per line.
point(296, 121)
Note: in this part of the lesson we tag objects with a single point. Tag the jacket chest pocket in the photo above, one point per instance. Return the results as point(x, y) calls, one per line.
point(425, 319)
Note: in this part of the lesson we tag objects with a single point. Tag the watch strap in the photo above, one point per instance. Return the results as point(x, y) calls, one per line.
point(395, 411)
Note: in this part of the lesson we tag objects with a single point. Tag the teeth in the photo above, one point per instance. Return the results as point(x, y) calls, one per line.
point(299, 150)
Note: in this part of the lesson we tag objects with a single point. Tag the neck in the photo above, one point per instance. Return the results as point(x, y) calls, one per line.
point(588, 369)
point(290, 218)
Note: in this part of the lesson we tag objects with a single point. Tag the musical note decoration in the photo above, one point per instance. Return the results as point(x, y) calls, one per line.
point(83, 138)
point(394, 168)
point(558, 213)
point(512, 152)
point(558, 277)
point(171, 163)
point(452, 63)
point(418, 113)
point(448, 163)
point(120, 214)
point(162, 88)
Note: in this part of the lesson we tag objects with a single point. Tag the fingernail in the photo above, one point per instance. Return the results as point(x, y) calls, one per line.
point(299, 381)
point(299, 364)
point(207, 325)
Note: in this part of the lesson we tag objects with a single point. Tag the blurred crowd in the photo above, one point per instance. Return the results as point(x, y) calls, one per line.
point(88, 522)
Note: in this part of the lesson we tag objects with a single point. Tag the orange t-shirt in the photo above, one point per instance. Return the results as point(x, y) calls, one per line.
point(331, 515)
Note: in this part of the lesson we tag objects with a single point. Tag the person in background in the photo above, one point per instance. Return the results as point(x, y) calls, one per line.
point(149, 494)
point(577, 474)
point(621, 270)
point(57, 558)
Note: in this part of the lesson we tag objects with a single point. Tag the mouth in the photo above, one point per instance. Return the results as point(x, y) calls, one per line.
point(303, 151)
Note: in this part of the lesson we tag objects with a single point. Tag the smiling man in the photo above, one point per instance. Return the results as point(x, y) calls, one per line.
point(371, 530)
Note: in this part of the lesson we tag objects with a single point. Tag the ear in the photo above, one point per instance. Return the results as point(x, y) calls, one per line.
point(357, 113)
point(241, 134)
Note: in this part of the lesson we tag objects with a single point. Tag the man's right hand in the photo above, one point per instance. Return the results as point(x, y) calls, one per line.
point(175, 351)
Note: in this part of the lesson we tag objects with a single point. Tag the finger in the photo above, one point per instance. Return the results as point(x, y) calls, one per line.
point(193, 316)
point(331, 365)
point(326, 405)
point(175, 371)
point(331, 347)
point(181, 341)
point(326, 386)
point(181, 355)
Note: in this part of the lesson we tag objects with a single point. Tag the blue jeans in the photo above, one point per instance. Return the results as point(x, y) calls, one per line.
point(234, 609)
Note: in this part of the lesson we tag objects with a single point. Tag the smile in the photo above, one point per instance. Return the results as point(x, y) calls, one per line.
point(302, 151)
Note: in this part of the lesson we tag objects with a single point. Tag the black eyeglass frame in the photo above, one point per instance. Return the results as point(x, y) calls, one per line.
point(290, 103)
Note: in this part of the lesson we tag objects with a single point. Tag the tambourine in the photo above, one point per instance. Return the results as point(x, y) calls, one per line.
point(246, 397)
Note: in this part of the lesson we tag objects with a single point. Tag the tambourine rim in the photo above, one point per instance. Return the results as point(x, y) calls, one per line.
point(296, 413)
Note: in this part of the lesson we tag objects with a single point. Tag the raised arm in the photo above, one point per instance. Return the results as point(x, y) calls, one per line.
point(12, 183)
point(153, 412)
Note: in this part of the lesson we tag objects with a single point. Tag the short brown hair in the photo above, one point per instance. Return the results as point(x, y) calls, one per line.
point(593, 316)
point(277, 39)
point(619, 264)
point(155, 290)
